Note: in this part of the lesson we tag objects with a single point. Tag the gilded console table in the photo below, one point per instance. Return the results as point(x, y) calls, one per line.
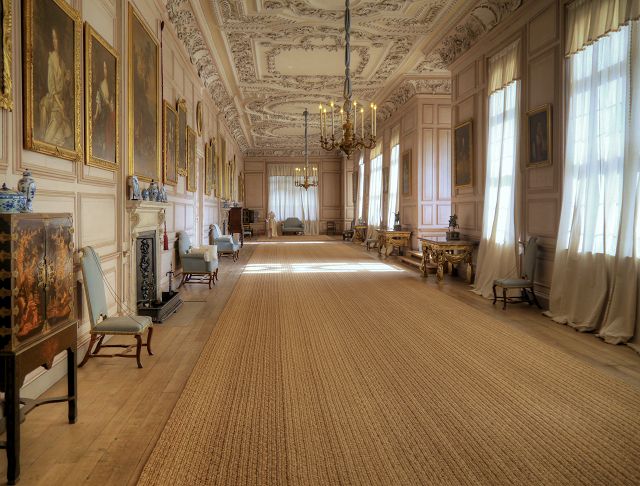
point(390, 239)
point(439, 253)
point(359, 232)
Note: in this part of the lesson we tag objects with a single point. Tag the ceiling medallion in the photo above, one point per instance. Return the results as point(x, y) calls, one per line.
point(350, 141)
point(306, 177)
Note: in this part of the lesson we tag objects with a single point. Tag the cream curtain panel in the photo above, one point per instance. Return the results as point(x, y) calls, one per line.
point(288, 201)
point(360, 203)
point(374, 212)
point(394, 177)
point(596, 277)
point(589, 20)
point(497, 256)
point(504, 67)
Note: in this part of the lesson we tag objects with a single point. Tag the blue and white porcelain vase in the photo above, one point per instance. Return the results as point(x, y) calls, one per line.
point(12, 201)
point(145, 194)
point(27, 186)
point(153, 191)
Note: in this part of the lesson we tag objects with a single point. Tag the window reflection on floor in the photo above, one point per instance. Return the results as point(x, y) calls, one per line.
point(328, 267)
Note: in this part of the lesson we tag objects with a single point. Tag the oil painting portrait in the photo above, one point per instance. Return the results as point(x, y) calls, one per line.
point(191, 160)
point(539, 132)
point(144, 101)
point(101, 104)
point(6, 99)
point(181, 142)
point(52, 80)
point(169, 148)
point(463, 154)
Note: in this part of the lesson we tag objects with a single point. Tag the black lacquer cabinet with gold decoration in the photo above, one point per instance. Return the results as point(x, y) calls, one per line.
point(37, 314)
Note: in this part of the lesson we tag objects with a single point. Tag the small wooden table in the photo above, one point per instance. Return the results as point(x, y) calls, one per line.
point(439, 252)
point(359, 232)
point(390, 239)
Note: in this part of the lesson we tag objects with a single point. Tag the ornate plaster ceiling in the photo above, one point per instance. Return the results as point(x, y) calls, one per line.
point(281, 56)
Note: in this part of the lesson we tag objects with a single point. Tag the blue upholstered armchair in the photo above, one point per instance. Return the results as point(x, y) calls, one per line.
point(292, 225)
point(201, 261)
point(227, 244)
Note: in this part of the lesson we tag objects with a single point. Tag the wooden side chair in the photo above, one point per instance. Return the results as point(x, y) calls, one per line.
point(524, 283)
point(101, 324)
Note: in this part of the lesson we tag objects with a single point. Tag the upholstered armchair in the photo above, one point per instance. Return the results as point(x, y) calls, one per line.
point(292, 225)
point(227, 245)
point(202, 261)
point(101, 324)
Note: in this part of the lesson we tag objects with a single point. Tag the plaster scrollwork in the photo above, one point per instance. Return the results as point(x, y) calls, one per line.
point(408, 89)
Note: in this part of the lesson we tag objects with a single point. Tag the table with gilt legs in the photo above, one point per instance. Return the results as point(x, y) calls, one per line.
point(446, 253)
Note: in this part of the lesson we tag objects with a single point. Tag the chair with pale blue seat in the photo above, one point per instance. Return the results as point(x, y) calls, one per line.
point(526, 281)
point(202, 262)
point(293, 225)
point(101, 324)
point(227, 244)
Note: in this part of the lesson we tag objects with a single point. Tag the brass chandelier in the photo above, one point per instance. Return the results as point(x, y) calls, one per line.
point(306, 177)
point(351, 140)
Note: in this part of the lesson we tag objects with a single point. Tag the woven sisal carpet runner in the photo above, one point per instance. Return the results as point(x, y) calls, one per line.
point(330, 368)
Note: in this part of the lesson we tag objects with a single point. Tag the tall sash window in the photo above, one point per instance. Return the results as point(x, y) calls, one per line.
point(394, 173)
point(497, 257)
point(286, 200)
point(595, 284)
point(374, 216)
point(360, 215)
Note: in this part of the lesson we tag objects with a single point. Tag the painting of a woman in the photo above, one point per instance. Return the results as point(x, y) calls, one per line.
point(52, 79)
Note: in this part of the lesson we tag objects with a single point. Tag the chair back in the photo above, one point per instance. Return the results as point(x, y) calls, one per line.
point(184, 243)
point(93, 285)
point(216, 231)
point(530, 257)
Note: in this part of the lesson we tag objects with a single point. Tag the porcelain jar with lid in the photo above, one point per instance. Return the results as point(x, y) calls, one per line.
point(27, 186)
point(12, 201)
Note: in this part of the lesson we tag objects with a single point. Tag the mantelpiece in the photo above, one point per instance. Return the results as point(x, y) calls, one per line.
point(144, 217)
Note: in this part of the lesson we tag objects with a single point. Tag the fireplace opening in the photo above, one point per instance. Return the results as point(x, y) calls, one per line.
point(146, 269)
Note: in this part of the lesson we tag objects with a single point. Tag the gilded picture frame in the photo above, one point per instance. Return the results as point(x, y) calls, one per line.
point(145, 103)
point(199, 118)
point(539, 137)
point(407, 175)
point(463, 154)
point(52, 120)
point(191, 160)
point(169, 144)
point(181, 144)
point(102, 102)
point(6, 90)
point(207, 169)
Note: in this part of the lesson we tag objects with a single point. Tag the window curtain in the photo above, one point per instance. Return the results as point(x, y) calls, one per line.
point(374, 215)
point(589, 20)
point(288, 201)
point(595, 284)
point(497, 257)
point(394, 174)
point(360, 215)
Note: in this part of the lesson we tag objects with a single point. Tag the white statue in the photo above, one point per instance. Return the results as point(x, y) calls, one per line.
point(272, 225)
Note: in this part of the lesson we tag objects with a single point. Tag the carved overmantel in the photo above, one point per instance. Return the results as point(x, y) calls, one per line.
point(144, 216)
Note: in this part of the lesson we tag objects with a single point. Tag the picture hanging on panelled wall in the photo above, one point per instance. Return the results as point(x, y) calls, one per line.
point(145, 108)
point(463, 154)
point(52, 78)
point(102, 107)
point(208, 168)
point(170, 144)
point(181, 141)
point(540, 139)
point(6, 97)
point(191, 160)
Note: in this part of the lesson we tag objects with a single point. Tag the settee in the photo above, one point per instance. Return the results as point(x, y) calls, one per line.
point(292, 226)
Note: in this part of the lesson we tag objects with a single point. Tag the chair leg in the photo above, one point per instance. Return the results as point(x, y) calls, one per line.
point(99, 346)
point(504, 296)
point(138, 349)
point(184, 276)
point(149, 335)
point(495, 295)
point(535, 299)
point(87, 355)
point(210, 280)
